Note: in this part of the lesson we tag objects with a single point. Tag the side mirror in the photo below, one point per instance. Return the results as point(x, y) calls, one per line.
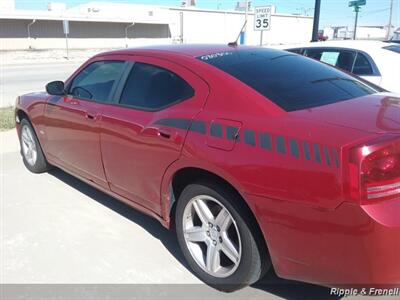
point(55, 88)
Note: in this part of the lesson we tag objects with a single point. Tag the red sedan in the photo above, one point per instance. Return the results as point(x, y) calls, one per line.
point(256, 157)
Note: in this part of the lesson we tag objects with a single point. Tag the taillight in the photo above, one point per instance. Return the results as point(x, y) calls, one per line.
point(380, 173)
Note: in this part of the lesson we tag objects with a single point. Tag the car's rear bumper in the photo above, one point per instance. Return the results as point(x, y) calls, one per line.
point(350, 245)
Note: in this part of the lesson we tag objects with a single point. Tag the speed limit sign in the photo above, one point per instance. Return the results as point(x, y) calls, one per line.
point(262, 18)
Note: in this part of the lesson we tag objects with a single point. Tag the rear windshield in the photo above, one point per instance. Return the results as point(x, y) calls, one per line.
point(292, 81)
point(394, 48)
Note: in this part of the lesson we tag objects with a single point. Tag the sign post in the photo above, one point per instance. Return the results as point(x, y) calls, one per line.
point(262, 20)
point(66, 32)
point(357, 7)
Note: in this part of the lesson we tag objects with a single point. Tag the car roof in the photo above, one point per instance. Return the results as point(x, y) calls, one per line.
point(362, 45)
point(191, 50)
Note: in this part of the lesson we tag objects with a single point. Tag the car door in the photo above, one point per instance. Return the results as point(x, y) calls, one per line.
point(143, 133)
point(72, 121)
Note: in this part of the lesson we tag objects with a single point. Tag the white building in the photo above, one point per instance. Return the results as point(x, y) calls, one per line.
point(7, 5)
point(363, 32)
point(115, 25)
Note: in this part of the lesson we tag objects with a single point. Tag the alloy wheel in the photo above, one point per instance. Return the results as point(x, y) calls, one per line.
point(212, 236)
point(28, 145)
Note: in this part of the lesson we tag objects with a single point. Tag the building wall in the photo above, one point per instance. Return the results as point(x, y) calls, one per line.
point(224, 27)
point(199, 26)
point(371, 33)
point(50, 35)
point(7, 5)
point(363, 32)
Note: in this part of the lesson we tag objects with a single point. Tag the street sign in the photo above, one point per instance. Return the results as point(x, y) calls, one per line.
point(65, 26)
point(262, 18)
point(357, 3)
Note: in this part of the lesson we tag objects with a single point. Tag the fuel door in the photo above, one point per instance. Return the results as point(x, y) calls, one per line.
point(224, 134)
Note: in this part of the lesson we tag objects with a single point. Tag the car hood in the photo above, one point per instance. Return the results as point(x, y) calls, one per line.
point(378, 113)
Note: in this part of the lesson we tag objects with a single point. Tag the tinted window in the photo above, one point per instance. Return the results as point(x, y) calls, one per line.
point(297, 50)
point(342, 59)
point(151, 87)
point(362, 66)
point(291, 81)
point(393, 48)
point(96, 80)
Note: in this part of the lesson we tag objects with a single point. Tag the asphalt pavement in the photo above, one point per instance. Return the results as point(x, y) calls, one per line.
point(19, 79)
point(55, 229)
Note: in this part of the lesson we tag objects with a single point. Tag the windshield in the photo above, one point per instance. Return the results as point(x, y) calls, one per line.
point(394, 48)
point(291, 81)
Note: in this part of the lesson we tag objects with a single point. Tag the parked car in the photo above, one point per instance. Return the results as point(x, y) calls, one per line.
point(377, 62)
point(256, 157)
point(394, 41)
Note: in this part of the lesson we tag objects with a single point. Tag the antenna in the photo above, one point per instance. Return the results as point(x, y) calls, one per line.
point(235, 43)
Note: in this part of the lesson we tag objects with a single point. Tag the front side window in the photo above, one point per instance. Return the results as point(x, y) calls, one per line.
point(291, 81)
point(150, 88)
point(96, 80)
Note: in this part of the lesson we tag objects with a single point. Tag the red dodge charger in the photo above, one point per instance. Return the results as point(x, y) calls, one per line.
point(258, 158)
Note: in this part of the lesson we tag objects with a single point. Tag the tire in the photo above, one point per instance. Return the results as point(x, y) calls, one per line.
point(231, 269)
point(31, 150)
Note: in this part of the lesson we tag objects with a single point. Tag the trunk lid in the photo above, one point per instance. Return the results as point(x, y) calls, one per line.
point(377, 113)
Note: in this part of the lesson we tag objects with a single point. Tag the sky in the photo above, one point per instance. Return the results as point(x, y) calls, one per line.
point(333, 12)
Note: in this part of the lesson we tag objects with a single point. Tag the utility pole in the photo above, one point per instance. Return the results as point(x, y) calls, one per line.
point(245, 22)
point(317, 11)
point(390, 20)
point(357, 9)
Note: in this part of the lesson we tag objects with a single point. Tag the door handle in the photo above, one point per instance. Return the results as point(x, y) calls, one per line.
point(90, 116)
point(164, 134)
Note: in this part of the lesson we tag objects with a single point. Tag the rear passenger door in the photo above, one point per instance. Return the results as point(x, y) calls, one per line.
point(144, 130)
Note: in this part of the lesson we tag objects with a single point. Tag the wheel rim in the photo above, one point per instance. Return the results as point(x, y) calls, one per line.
point(28, 145)
point(212, 236)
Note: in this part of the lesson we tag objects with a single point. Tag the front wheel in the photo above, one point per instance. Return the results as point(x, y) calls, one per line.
point(31, 151)
point(216, 239)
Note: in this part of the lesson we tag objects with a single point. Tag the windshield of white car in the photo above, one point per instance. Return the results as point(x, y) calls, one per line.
point(394, 48)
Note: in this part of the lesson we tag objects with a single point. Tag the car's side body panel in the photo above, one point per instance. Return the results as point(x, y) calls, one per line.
point(289, 167)
point(33, 105)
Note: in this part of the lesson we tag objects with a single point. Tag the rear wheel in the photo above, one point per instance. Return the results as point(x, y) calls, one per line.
point(31, 151)
point(216, 239)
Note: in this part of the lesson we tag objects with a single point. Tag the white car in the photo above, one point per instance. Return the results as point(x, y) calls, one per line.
point(375, 61)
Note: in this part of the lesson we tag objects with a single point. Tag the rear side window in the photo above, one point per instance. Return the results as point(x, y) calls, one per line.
point(96, 80)
point(149, 87)
point(291, 81)
point(393, 48)
point(342, 59)
point(296, 50)
point(362, 66)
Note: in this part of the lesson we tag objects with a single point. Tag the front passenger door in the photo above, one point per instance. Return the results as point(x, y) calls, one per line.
point(72, 132)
